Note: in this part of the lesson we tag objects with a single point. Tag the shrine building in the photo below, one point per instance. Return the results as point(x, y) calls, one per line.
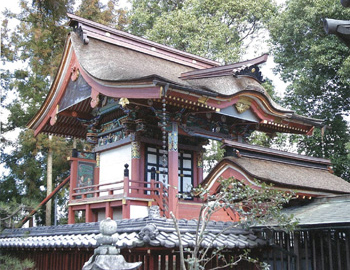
point(147, 113)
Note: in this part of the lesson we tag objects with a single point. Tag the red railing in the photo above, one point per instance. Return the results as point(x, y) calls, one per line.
point(94, 191)
point(121, 189)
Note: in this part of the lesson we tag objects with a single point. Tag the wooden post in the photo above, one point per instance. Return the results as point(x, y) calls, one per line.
point(31, 222)
point(330, 249)
point(73, 177)
point(71, 215)
point(126, 181)
point(97, 170)
point(153, 185)
point(153, 262)
point(322, 252)
point(49, 185)
point(199, 162)
point(288, 250)
point(306, 242)
point(88, 213)
point(126, 209)
point(314, 261)
point(109, 210)
point(337, 237)
point(280, 238)
point(125, 202)
point(173, 165)
point(347, 249)
point(296, 249)
point(135, 162)
point(72, 185)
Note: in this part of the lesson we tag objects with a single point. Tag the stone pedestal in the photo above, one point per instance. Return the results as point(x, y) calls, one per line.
point(104, 262)
point(107, 256)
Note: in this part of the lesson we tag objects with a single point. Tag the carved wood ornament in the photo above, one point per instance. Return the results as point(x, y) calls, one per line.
point(242, 107)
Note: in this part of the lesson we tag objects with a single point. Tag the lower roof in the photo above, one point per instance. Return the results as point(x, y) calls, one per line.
point(132, 233)
point(284, 170)
point(323, 212)
point(292, 176)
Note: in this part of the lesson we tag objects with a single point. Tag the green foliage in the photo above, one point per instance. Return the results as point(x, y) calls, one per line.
point(37, 43)
point(316, 65)
point(213, 154)
point(261, 139)
point(8, 262)
point(254, 206)
point(270, 89)
point(27, 166)
point(144, 13)
point(347, 146)
point(53, 8)
point(213, 29)
point(279, 141)
point(331, 144)
point(108, 14)
point(11, 213)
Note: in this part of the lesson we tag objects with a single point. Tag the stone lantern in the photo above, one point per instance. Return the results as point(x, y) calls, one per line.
point(107, 256)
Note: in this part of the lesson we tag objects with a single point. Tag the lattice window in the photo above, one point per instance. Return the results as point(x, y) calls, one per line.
point(154, 157)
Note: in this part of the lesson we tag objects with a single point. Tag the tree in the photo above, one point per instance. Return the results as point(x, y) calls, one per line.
point(260, 206)
point(109, 14)
point(27, 165)
point(213, 29)
point(314, 64)
point(213, 154)
point(219, 30)
point(37, 44)
point(145, 12)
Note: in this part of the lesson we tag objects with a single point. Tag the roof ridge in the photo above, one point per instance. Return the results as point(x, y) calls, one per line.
point(223, 70)
point(124, 226)
point(275, 152)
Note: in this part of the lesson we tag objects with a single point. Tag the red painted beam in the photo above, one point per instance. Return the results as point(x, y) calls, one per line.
point(57, 189)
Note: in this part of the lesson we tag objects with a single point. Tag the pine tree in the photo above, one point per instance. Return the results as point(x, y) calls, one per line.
point(36, 46)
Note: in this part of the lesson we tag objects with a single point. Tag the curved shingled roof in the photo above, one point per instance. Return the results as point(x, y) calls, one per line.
point(290, 175)
point(284, 170)
point(114, 65)
point(120, 65)
point(107, 62)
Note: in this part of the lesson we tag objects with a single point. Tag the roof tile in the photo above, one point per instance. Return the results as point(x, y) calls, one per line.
point(84, 235)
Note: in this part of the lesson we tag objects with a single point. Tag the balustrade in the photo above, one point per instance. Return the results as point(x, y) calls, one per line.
point(121, 189)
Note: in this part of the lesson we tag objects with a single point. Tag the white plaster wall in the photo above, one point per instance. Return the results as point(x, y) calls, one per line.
point(112, 166)
point(101, 215)
point(117, 214)
point(138, 211)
